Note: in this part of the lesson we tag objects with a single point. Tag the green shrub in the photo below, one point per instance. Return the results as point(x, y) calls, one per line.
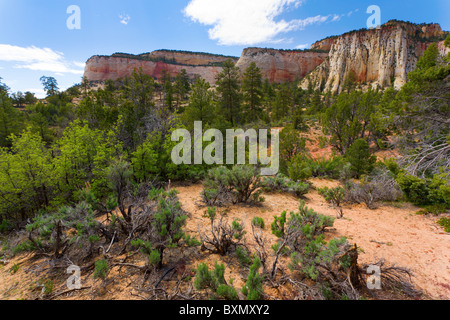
point(26, 246)
point(243, 256)
point(334, 196)
point(240, 184)
point(168, 223)
point(445, 222)
point(303, 167)
point(426, 191)
point(281, 183)
point(154, 258)
point(362, 162)
point(440, 189)
point(415, 189)
point(304, 225)
point(215, 281)
point(5, 226)
point(14, 268)
point(253, 287)
point(220, 236)
point(101, 269)
point(258, 222)
point(48, 287)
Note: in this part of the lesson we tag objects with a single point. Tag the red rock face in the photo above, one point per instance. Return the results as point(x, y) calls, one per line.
point(279, 65)
point(100, 68)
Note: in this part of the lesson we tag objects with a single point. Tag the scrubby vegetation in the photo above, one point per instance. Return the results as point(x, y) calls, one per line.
point(86, 178)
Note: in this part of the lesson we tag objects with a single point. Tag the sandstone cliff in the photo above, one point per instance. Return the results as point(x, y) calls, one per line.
point(120, 65)
point(281, 65)
point(378, 57)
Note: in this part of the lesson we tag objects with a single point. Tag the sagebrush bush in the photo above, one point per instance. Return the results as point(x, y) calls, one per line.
point(281, 183)
point(303, 167)
point(335, 196)
point(240, 184)
point(220, 237)
point(379, 186)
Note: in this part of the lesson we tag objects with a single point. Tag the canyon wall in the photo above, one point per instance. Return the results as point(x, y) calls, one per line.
point(379, 57)
point(119, 65)
point(281, 65)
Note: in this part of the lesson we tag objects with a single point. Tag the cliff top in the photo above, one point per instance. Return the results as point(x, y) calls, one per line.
point(429, 32)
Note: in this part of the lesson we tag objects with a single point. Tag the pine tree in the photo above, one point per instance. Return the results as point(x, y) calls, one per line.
point(228, 89)
point(252, 93)
point(200, 106)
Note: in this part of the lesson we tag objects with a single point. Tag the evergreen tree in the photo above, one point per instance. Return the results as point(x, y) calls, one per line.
point(50, 85)
point(200, 106)
point(182, 86)
point(228, 90)
point(252, 93)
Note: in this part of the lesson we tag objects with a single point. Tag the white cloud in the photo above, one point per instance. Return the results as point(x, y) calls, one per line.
point(39, 59)
point(237, 22)
point(302, 46)
point(124, 19)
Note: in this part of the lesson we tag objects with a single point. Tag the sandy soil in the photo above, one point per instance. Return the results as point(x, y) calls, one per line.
point(392, 232)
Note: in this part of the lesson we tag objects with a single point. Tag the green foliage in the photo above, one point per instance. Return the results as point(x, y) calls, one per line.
point(334, 195)
point(252, 93)
point(10, 119)
point(445, 222)
point(50, 85)
point(239, 184)
point(360, 158)
point(154, 258)
point(303, 167)
point(317, 255)
point(350, 118)
point(5, 226)
point(278, 225)
point(168, 222)
point(215, 281)
point(426, 191)
point(304, 225)
point(200, 107)
point(281, 183)
point(258, 222)
point(253, 288)
point(228, 90)
point(415, 189)
point(48, 287)
point(101, 269)
point(243, 256)
point(26, 180)
point(14, 268)
point(291, 145)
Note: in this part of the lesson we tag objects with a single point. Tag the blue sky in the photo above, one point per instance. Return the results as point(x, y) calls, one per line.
point(35, 40)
